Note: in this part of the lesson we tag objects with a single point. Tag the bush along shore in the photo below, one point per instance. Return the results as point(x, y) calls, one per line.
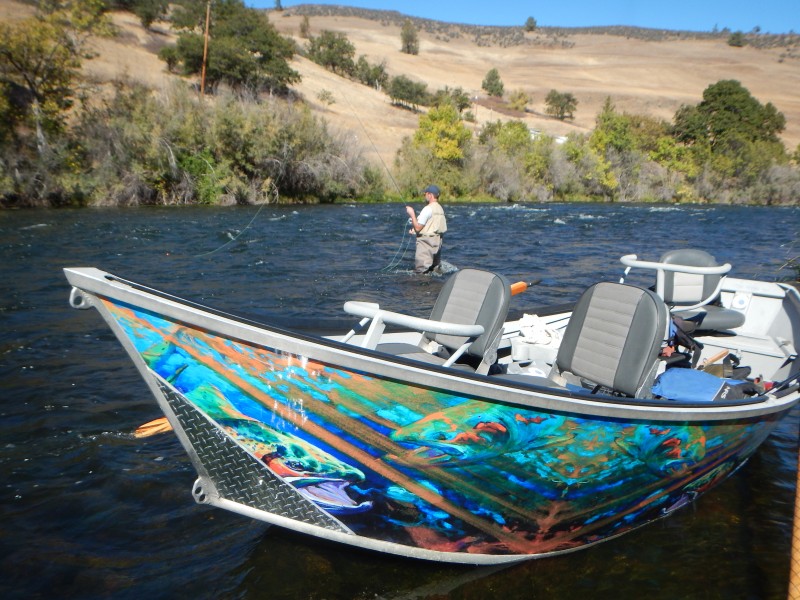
point(249, 139)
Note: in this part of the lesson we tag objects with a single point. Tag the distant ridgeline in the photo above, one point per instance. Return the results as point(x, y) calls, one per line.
point(505, 36)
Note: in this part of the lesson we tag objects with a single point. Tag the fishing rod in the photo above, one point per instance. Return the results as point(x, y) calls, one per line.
point(405, 241)
point(366, 132)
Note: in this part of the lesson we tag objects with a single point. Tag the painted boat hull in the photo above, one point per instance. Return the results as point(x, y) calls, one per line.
point(358, 447)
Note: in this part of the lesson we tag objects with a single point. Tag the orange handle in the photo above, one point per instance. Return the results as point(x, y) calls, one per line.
point(152, 428)
point(518, 288)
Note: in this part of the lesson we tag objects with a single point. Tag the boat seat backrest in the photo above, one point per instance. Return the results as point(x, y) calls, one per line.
point(694, 297)
point(614, 337)
point(688, 288)
point(473, 297)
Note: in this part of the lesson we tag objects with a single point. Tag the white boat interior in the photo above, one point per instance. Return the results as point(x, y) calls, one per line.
point(616, 340)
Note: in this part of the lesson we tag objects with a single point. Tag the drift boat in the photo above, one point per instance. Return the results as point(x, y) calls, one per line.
point(465, 437)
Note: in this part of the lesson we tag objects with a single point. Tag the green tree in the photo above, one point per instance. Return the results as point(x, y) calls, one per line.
point(518, 100)
point(371, 75)
point(442, 131)
point(530, 24)
point(405, 92)
point(305, 28)
point(737, 39)
point(190, 15)
point(438, 151)
point(612, 130)
point(514, 137)
point(42, 56)
point(596, 176)
point(455, 96)
point(409, 41)
point(560, 105)
point(731, 132)
point(150, 11)
point(489, 131)
point(333, 51)
point(728, 110)
point(245, 50)
point(169, 54)
point(492, 83)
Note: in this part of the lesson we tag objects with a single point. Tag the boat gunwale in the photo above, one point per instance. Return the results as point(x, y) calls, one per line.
point(371, 362)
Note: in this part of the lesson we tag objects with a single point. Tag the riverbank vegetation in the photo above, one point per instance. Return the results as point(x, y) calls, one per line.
point(250, 139)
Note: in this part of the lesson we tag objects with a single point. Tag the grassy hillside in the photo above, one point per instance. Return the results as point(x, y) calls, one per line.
point(644, 71)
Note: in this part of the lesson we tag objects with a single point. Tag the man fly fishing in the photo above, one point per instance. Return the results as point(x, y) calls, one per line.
point(429, 228)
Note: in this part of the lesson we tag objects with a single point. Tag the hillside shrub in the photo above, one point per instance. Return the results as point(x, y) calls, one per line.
point(560, 105)
point(492, 84)
point(409, 40)
point(408, 93)
point(138, 147)
point(333, 51)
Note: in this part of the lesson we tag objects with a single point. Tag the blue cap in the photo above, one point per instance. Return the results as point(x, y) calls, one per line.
point(433, 189)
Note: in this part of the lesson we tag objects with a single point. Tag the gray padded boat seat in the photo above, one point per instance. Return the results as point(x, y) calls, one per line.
point(470, 297)
point(689, 290)
point(614, 337)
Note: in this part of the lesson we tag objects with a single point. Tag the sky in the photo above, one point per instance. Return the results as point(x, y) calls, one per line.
point(771, 16)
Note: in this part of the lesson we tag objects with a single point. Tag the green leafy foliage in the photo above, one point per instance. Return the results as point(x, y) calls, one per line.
point(737, 39)
point(137, 147)
point(409, 40)
point(731, 133)
point(560, 105)
point(455, 96)
point(442, 131)
point(40, 61)
point(373, 75)
point(436, 152)
point(514, 137)
point(632, 157)
point(333, 51)
point(245, 50)
point(518, 100)
point(492, 84)
point(407, 93)
point(150, 11)
point(169, 54)
point(728, 110)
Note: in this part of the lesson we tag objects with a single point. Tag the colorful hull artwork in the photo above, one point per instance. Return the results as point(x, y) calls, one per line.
point(397, 463)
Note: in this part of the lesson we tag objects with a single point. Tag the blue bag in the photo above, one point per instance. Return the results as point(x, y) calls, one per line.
point(690, 385)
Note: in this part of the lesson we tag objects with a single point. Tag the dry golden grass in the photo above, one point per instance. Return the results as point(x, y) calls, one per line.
point(647, 77)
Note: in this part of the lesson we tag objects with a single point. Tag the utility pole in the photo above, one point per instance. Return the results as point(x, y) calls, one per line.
point(205, 50)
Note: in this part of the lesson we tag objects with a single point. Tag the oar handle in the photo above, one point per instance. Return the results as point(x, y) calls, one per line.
point(711, 360)
point(154, 427)
point(521, 286)
point(518, 288)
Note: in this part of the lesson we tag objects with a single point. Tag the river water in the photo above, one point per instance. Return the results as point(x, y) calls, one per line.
point(87, 511)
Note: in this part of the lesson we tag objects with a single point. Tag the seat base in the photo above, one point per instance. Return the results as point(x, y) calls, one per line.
point(712, 318)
